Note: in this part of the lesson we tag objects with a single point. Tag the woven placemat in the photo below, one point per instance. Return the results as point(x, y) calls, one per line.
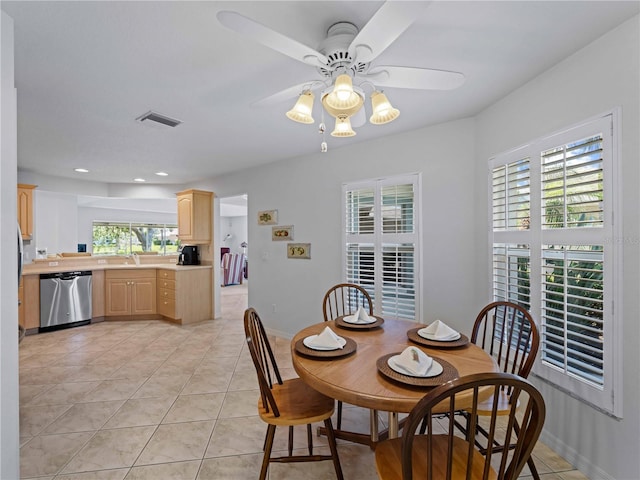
point(415, 337)
point(449, 372)
point(359, 326)
point(348, 349)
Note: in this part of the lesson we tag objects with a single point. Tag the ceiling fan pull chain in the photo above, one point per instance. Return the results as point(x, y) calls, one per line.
point(321, 130)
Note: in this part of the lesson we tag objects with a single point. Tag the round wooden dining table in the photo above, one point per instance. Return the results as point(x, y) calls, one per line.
point(355, 378)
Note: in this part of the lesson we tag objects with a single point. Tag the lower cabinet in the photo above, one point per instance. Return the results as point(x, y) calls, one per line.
point(166, 293)
point(130, 292)
point(29, 309)
point(184, 296)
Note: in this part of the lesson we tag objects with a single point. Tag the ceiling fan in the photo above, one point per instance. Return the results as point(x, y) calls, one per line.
point(343, 63)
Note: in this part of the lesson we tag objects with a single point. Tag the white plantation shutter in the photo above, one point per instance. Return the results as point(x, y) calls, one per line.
point(511, 272)
point(398, 281)
point(572, 184)
point(573, 311)
point(381, 238)
point(511, 195)
point(551, 209)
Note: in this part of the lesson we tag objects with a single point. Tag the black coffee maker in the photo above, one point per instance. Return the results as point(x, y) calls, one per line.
point(189, 255)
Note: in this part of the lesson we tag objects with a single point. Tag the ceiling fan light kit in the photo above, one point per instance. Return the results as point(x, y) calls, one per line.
point(343, 127)
point(345, 100)
point(301, 111)
point(343, 97)
point(383, 111)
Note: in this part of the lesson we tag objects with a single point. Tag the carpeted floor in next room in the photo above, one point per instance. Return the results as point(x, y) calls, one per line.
point(153, 400)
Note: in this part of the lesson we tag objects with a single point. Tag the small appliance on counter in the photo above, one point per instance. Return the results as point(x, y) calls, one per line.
point(189, 255)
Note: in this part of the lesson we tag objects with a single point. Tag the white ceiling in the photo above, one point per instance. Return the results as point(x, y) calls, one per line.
point(86, 70)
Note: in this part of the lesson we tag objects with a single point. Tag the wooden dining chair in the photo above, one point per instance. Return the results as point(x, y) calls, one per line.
point(345, 299)
point(286, 403)
point(508, 333)
point(440, 454)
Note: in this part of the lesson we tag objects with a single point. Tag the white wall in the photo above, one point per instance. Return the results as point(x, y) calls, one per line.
point(55, 225)
point(312, 200)
point(601, 76)
point(9, 433)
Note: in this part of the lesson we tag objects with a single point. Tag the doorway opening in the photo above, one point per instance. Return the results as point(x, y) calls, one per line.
point(233, 236)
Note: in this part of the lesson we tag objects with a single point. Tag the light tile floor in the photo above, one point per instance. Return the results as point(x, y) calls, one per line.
point(151, 400)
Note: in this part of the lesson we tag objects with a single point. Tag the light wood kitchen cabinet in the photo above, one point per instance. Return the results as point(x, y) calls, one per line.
point(30, 305)
point(184, 296)
point(195, 208)
point(130, 292)
point(25, 210)
point(166, 282)
point(97, 294)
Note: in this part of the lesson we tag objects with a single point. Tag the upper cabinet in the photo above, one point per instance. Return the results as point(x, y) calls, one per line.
point(195, 209)
point(25, 210)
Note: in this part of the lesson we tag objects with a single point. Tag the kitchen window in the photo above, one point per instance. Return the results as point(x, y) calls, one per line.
point(553, 252)
point(381, 247)
point(125, 238)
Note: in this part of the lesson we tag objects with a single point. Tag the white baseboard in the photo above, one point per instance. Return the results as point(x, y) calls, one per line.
point(574, 458)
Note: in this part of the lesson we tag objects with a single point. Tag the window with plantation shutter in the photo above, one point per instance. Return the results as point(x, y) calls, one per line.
point(381, 242)
point(551, 209)
point(510, 195)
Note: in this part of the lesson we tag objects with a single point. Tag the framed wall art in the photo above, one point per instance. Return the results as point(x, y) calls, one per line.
point(284, 232)
point(268, 217)
point(299, 250)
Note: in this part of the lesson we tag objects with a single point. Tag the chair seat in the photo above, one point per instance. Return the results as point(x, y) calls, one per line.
point(504, 405)
point(299, 404)
point(389, 459)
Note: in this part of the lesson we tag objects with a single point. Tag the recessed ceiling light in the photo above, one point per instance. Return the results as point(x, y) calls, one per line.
point(139, 180)
point(162, 174)
point(81, 170)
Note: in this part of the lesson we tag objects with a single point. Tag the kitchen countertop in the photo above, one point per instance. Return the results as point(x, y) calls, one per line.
point(46, 267)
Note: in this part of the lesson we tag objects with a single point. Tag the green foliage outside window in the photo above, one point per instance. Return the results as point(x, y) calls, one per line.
point(128, 238)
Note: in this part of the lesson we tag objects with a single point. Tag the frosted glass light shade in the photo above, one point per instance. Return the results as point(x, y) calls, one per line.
point(343, 127)
point(383, 111)
point(343, 100)
point(301, 111)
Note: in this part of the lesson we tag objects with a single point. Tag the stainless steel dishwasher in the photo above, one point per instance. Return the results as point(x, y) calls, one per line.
point(65, 299)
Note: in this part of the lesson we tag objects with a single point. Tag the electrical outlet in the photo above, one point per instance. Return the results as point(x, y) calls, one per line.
point(53, 264)
point(273, 307)
point(102, 260)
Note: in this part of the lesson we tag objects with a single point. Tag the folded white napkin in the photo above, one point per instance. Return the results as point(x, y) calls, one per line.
point(361, 316)
point(326, 339)
point(439, 330)
point(414, 360)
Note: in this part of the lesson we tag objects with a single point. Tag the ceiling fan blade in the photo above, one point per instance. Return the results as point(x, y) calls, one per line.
point(272, 39)
point(287, 94)
point(387, 24)
point(416, 78)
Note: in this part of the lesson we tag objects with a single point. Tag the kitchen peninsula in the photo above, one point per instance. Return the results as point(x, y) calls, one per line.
point(128, 288)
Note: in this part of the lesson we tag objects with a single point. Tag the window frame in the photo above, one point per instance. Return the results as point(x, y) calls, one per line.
point(609, 398)
point(131, 224)
point(378, 239)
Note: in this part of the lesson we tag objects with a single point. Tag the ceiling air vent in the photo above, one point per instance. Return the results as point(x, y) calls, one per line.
point(158, 118)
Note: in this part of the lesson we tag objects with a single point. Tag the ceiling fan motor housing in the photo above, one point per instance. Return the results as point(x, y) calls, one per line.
point(336, 48)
